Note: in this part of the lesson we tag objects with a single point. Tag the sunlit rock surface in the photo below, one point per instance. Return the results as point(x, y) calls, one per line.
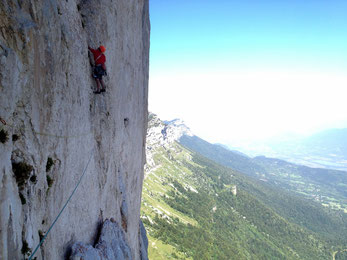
point(163, 134)
point(55, 123)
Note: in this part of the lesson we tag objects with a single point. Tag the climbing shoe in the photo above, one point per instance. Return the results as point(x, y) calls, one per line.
point(97, 92)
point(103, 90)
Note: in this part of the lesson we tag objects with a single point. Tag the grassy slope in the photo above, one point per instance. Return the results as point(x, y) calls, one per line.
point(323, 185)
point(189, 211)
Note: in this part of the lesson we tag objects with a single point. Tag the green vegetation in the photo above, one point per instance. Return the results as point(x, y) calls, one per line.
point(25, 248)
point(41, 234)
point(190, 213)
point(21, 172)
point(49, 164)
point(341, 255)
point(163, 251)
point(15, 138)
point(50, 181)
point(320, 185)
point(3, 136)
point(22, 198)
point(33, 178)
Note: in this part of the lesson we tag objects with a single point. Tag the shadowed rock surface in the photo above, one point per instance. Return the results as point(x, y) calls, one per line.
point(111, 245)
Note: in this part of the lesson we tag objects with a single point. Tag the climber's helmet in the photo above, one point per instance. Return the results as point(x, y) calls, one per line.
point(102, 48)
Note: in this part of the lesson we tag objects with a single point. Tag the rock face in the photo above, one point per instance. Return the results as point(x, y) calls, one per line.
point(54, 124)
point(111, 245)
point(163, 134)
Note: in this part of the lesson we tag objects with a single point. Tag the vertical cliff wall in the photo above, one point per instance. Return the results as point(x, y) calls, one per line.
point(54, 123)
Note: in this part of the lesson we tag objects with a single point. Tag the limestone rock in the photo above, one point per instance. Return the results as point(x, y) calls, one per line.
point(47, 102)
point(175, 129)
point(111, 245)
point(162, 134)
point(143, 242)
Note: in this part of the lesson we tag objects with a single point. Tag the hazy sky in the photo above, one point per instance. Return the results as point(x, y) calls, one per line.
point(250, 69)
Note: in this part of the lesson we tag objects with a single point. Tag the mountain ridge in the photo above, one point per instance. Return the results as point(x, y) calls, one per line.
point(189, 199)
point(326, 185)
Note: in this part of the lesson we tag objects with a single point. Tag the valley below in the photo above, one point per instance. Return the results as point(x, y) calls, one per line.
point(196, 207)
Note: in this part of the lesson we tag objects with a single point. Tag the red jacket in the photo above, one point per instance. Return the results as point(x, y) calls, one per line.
point(99, 57)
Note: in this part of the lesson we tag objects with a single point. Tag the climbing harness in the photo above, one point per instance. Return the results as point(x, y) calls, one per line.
point(61, 211)
point(98, 57)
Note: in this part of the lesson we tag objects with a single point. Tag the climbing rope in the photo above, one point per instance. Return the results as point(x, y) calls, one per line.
point(74, 190)
point(61, 211)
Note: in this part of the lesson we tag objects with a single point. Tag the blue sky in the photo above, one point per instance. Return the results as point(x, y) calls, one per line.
point(204, 53)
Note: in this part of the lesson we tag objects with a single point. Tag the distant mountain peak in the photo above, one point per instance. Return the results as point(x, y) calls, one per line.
point(176, 128)
point(175, 122)
point(165, 132)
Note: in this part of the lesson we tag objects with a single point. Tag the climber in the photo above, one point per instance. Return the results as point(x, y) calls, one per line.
point(99, 69)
